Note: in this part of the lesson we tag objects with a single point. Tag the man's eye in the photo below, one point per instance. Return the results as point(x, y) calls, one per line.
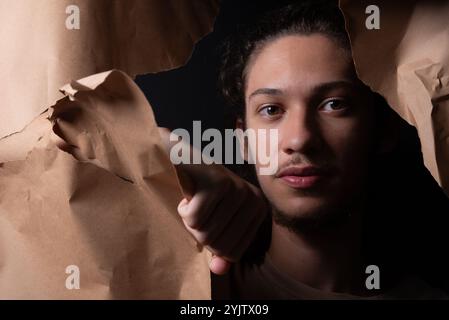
point(333, 105)
point(270, 111)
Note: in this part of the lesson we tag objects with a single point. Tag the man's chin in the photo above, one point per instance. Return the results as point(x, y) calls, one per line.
point(305, 207)
point(309, 217)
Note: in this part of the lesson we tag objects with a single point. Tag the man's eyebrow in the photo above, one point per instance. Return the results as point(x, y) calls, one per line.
point(327, 86)
point(319, 88)
point(265, 91)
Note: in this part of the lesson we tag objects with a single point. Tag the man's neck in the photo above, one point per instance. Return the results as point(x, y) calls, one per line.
point(328, 259)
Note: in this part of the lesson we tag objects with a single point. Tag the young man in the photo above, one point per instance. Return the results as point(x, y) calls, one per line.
point(292, 71)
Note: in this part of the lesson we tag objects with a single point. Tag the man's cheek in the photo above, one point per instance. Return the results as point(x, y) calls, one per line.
point(268, 186)
point(354, 165)
point(263, 150)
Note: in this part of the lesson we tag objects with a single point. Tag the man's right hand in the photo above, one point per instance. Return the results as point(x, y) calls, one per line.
point(221, 210)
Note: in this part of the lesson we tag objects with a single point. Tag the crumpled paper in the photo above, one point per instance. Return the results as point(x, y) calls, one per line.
point(407, 61)
point(39, 53)
point(109, 209)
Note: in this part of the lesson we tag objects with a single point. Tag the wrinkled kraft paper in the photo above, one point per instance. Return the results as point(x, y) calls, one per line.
point(39, 53)
point(110, 212)
point(407, 61)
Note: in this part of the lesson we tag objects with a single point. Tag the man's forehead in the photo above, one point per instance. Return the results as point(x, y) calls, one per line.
point(299, 61)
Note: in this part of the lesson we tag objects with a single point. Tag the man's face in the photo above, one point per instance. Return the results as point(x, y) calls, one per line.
point(305, 87)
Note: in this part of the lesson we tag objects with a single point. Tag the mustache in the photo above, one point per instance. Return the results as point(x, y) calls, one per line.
point(304, 160)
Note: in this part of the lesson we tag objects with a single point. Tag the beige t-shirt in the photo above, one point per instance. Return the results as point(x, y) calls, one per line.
point(251, 281)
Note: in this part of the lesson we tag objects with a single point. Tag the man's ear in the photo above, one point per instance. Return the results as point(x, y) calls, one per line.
point(243, 143)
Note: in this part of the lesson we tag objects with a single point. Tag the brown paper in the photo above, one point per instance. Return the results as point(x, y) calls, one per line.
point(39, 54)
point(112, 213)
point(407, 61)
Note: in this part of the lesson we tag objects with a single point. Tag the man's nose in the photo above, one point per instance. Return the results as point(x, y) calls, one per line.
point(300, 132)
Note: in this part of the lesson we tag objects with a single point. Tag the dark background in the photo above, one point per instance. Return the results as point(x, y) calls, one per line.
point(190, 93)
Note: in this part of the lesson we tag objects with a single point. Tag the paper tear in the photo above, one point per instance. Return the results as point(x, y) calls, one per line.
point(410, 55)
point(126, 238)
point(136, 36)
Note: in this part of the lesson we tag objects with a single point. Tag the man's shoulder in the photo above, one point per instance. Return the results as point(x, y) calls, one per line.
point(243, 281)
point(260, 280)
point(416, 288)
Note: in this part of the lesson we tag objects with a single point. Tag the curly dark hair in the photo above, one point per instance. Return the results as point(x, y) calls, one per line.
point(305, 18)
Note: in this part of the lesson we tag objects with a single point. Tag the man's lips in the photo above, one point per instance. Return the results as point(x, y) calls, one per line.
point(302, 177)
